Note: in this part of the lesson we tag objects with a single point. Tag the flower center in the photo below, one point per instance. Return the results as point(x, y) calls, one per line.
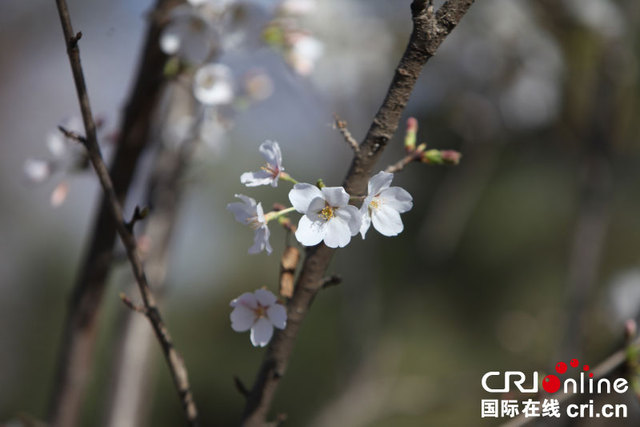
point(374, 204)
point(270, 170)
point(260, 311)
point(328, 212)
point(254, 223)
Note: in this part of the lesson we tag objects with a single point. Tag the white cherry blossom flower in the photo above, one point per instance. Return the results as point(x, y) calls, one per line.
point(37, 170)
point(328, 216)
point(260, 312)
point(383, 206)
point(213, 84)
point(190, 36)
point(269, 173)
point(305, 51)
point(250, 213)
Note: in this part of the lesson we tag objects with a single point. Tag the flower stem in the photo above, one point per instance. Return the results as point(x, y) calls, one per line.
point(277, 214)
point(286, 177)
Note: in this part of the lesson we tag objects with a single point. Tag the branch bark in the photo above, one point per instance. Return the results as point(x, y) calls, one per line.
point(173, 358)
point(79, 334)
point(429, 31)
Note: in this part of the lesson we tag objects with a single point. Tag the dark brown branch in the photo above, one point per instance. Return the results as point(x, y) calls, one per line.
point(79, 334)
point(173, 358)
point(429, 31)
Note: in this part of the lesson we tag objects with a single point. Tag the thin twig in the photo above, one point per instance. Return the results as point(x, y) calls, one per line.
point(341, 125)
point(414, 156)
point(429, 31)
point(174, 360)
point(332, 280)
point(79, 331)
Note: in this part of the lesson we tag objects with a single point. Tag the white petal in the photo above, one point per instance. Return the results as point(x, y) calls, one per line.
point(352, 216)
point(366, 221)
point(338, 233)
point(261, 240)
point(265, 298)
point(254, 179)
point(315, 209)
point(37, 170)
point(261, 332)
point(270, 150)
point(248, 299)
point(336, 196)
point(213, 84)
point(59, 194)
point(277, 314)
point(301, 196)
point(242, 318)
point(244, 210)
point(309, 233)
point(379, 182)
point(397, 198)
point(386, 220)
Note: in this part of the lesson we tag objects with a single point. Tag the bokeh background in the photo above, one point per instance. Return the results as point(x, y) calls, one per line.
point(523, 255)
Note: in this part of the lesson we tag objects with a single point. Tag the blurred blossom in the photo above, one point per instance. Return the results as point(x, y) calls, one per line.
point(213, 84)
point(257, 85)
point(242, 24)
point(297, 7)
point(303, 53)
point(68, 156)
point(59, 194)
point(189, 36)
point(603, 16)
point(259, 311)
point(37, 170)
point(624, 297)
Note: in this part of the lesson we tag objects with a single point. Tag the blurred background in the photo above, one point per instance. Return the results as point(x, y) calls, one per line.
point(523, 255)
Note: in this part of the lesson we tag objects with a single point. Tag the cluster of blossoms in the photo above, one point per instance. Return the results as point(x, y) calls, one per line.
point(67, 157)
point(197, 36)
point(327, 216)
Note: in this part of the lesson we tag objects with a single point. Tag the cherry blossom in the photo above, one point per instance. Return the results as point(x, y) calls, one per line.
point(327, 216)
point(250, 213)
point(383, 206)
point(260, 312)
point(190, 36)
point(269, 173)
point(213, 84)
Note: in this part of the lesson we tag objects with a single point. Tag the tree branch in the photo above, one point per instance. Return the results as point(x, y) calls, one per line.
point(79, 333)
point(429, 31)
point(174, 360)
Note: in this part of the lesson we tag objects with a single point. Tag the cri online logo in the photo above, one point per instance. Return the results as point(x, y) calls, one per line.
point(551, 383)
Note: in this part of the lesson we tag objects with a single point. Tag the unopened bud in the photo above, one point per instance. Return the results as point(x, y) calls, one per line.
point(441, 157)
point(450, 157)
point(411, 134)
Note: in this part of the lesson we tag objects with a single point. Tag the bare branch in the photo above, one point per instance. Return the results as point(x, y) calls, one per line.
point(174, 360)
point(341, 125)
point(79, 332)
point(429, 31)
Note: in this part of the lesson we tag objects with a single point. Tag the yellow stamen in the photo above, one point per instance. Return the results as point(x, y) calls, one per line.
point(374, 204)
point(328, 212)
